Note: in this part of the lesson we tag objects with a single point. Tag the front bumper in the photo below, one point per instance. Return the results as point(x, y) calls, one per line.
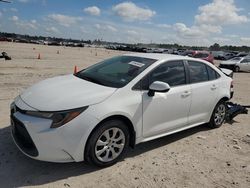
point(22, 137)
point(34, 137)
point(38, 143)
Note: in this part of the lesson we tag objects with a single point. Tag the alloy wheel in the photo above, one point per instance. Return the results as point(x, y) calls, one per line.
point(110, 144)
point(219, 115)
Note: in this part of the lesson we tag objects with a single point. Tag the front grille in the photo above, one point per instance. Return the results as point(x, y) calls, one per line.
point(22, 137)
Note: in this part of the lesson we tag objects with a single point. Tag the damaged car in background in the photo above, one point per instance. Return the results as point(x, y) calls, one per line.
point(237, 64)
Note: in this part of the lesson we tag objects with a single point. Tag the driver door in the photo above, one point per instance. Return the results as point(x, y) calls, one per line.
point(168, 111)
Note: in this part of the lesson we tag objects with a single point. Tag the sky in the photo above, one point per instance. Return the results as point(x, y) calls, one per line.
point(186, 22)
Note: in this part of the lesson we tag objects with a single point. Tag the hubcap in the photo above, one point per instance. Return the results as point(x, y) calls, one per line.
point(219, 115)
point(110, 144)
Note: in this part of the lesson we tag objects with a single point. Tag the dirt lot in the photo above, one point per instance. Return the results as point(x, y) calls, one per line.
point(199, 157)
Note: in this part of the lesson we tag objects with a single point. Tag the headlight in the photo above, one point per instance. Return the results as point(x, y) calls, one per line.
point(58, 118)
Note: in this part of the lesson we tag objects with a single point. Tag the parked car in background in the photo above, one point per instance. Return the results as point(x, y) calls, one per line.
point(207, 56)
point(226, 56)
point(244, 64)
point(179, 51)
point(159, 50)
point(168, 51)
point(97, 113)
point(216, 54)
point(149, 50)
point(188, 53)
point(237, 64)
point(242, 54)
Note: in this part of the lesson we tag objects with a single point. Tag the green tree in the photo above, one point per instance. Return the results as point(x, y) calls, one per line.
point(215, 47)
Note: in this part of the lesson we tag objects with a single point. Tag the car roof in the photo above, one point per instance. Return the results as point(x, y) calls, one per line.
point(159, 57)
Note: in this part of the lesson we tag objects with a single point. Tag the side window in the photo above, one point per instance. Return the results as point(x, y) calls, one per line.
point(142, 84)
point(212, 74)
point(245, 61)
point(172, 72)
point(198, 72)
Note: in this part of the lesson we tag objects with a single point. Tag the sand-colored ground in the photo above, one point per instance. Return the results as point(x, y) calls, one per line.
point(199, 157)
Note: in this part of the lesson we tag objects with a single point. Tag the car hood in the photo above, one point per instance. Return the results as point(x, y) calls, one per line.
point(65, 92)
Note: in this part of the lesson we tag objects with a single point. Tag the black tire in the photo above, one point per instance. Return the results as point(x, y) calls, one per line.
point(237, 69)
point(218, 117)
point(91, 147)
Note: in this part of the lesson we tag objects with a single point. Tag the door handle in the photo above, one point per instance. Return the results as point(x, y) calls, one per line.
point(186, 93)
point(213, 87)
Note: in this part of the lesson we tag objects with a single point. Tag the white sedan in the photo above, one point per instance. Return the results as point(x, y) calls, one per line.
point(95, 114)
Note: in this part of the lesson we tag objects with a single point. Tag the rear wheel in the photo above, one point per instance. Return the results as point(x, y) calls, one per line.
point(218, 116)
point(108, 143)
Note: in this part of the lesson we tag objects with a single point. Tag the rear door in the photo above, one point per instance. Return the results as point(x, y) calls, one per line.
point(204, 86)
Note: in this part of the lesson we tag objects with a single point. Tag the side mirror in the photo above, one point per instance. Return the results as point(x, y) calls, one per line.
point(158, 86)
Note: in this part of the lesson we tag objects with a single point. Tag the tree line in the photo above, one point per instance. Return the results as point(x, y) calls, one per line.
point(214, 47)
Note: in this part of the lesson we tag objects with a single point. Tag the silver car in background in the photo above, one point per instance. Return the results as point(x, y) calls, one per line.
point(237, 64)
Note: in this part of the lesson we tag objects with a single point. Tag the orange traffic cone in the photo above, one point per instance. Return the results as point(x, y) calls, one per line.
point(39, 56)
point(75, 69)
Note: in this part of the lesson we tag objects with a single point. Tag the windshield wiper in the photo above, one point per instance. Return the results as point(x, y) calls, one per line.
point(88, 78)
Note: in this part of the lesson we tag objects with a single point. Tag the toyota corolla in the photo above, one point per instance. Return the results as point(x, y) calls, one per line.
point(97, 113)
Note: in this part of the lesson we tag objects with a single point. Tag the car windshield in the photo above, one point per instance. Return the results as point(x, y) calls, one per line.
point(200, 55)
point(115, 72)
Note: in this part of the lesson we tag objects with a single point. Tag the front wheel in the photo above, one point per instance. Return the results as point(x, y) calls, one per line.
point(108, 143)
point(218, 116)
point(237, 69)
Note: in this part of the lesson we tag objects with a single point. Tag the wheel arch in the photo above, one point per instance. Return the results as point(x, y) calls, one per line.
point(224, 99)
point(235, 68)
point(123, 118)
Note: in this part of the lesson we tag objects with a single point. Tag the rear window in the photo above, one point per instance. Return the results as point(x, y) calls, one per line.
point(198, 72)
point(212, 74)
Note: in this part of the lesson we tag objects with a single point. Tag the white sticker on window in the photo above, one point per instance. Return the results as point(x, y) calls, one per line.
point(138, 64)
